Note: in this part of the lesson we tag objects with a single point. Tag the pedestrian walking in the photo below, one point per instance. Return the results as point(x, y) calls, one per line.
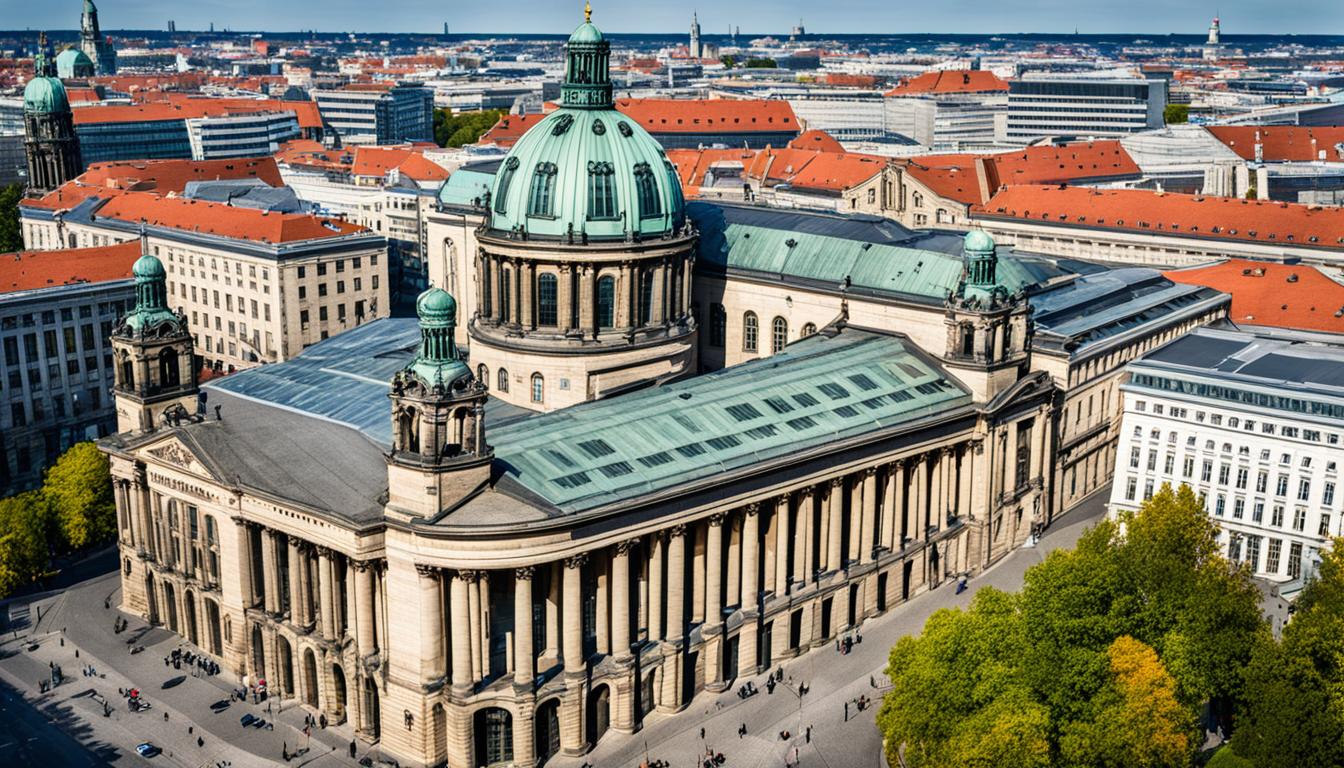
point(165, 716)
point(809, 734)
point(846, 711)
point(200, 741)
point(352, 749)
point(702, 733)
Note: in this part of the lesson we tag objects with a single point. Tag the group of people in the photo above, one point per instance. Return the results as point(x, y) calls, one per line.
point(198, 663)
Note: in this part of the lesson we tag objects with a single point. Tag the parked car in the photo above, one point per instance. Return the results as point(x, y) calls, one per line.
point(147, 750)
point(247, 719)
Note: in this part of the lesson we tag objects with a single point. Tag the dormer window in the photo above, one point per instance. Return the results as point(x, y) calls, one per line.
point(647, 189)
point(541, 200)
point(601, 190)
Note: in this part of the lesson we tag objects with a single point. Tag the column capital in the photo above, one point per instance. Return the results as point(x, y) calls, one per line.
point(716, 520)
point(870, 472)
point(360, 565)
point(806, 491)
point(751, 509)
point(979, 445)
point(323, 552)
point(899, 464)
point(623, 547)
point(837, 482)
point(676, 531)
point(237, 520)
point(464, 574)
point(577, 561)
point(294, 541)
point(525, 573)
point(946, 450)
point(426, 570)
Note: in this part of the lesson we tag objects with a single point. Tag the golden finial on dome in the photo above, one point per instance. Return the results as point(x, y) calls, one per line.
point(587, 13)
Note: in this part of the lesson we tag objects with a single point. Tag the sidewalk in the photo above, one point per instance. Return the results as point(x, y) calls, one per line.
point(833, 680)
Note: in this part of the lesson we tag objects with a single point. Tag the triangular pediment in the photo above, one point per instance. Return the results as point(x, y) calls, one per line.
point(174, 453)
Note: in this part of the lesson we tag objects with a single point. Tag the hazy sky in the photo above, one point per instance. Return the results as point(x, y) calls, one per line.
point(753, 16)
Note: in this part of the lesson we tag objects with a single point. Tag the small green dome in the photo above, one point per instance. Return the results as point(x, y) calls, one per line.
point(587, 32)
point(978, 241)
point(436, 307)
point(148, 267)
point(45, 95)
point(73, 63)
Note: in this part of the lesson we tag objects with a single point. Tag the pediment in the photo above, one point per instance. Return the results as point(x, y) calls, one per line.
point(174, 453)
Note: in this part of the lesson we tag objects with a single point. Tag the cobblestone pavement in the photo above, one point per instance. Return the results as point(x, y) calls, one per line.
point(72, 725)
point(842, 737)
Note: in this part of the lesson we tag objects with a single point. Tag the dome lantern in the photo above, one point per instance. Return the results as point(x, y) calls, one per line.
point(587, 67)
point(981, 262)
point(438, 361)
point(151, 289)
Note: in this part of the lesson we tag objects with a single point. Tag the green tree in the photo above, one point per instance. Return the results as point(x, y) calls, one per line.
point(762, 63)
point(1295, 688)
point(728, 60)
point(462, 128)
point(79, 488)
point(1175, 114)
point(11, 237)
point(23, 540)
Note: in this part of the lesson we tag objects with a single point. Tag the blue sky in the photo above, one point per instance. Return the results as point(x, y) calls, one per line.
point(753, 16)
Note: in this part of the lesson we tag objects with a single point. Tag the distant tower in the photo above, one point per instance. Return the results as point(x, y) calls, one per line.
point(172, 26)
point(1215, 33)
point(439, 453)
point(696, 48)
point(155, 359)
point(49, 128)
point(445, 29)
point(94, 45)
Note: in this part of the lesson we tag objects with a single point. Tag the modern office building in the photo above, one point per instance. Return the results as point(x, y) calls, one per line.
point(1041, 106)
point(950, 111)
point(1253, 423)
point(378, 113)
point(57, 309)
point(158, 130)
point(246, 135)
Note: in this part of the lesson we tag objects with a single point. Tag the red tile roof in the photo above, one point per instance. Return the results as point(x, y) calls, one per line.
point(165, 176)
point(1270, 294)
point(693, 164)
point(31, 270)
point(222, 220)
point(1148, 212)
point(710, 115)
point(958, 176)
point(818, 140)
point(66, 196)
point(378, 161)
point(510, 129)
point(801, 168)
point(951, 81)
point(1283, 143)
point(183, 108)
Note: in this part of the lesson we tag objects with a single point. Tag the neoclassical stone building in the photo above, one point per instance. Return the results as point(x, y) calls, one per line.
point(474, 578)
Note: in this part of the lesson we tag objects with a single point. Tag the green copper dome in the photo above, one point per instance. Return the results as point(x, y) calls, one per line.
point(44, 96)
point(981, 265)
point(586, 171)
point(73, 63)
point(978, 241)
point(151, 292)
point(438, 361)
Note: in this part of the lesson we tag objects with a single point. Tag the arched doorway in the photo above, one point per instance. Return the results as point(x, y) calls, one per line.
point(309, 678)
point(547, 731)
point(599, 713)
point(214, 628)
point(494, 736)
point(189, 608)
point(152, 597)
point(373, 720)
point(258, 652)
point(338, 692)
point(286, 655)
point(170, 603)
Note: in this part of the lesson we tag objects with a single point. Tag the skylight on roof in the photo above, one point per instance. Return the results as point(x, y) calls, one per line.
point(743, 411)
point(847, 411)
point(691, 449)
point(596, 449)
point(778, 404)
point(801, 423)
point(572, 481)
point(833, 390)
point(656, 459)
point(617, 469)
point(862, 381)
point(805, 400)
point(724, 442)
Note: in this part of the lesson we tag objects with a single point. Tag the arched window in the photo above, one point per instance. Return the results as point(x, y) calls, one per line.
point(606, 301)
point(483, 375)
point(546, 293)
point(647, 190)
point(645, 296)
point(502, 384)
point(779, 335)
point(750, 332)
point(505, 295)
point(809, 329)
point(541, 201)
point(538, 388)
point(718, 325)
point(505, 180)
point(169, 375)
point(601, 190)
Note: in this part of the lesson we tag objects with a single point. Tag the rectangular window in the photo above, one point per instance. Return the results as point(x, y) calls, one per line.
point(1188, 469)
point(1258, 512)
point(1303, 489)
point(1134, 454)
point(1220, 505)
point(1261, 481)
point(1295, 560)
point(1281, 486)
point(1242, 476)
point(1238, 508)
point(1253, 552)
point(1299, 518)
point(1206, 472)
point(1276, 516)
point(1131, 487)
point(1223, 471)
point(1324, 528)
point(1328, 495)
point(1272, 553)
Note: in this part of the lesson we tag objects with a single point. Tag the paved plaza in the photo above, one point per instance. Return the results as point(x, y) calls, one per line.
point(74, 629)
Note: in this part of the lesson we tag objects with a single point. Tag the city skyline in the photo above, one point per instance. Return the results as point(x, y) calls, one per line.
point(751, 16)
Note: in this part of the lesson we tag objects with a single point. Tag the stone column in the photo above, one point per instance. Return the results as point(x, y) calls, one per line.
point(431, 624)
point(751, 521)
point(835, 508)
point(325, 588)
point(936, 490)
point(564, 301)
point(524, 658)
point(676, 583)
point(869, 516)
point(366, 633)
point(902, 527)
point(714, 572)
point(782, 535)
point(803, 563)
point(474, 624)
point(295, 583)
point(270, 573)
point(460, 605)
point(657, 598)
point(588, 301)
point(496, 300)
point(964, 471)
point(246, 556)
point(526, 290)
point(573, 615)
point(658, 313)
point(625, 289)
point(921, 500)
point(602, 576)
point(733, 578)
point(891, 534)
point(620, 601)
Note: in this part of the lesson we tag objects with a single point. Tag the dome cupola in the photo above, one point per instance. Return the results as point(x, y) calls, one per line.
point(151, 292)
point(586, 172)
point(44, 94)
point(981, 263)
point(437, 363)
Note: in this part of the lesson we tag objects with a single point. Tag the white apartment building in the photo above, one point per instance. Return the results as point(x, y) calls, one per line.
point(1251, 422)
point(250, 135)
point(950, 122)
point(1040, 106)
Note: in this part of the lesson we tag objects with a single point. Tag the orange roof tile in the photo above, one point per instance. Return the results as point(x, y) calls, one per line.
point(172, 176)
point(183, 108)
point(222, 220)
point(1283, 143)
point(1149, 212)
point(510, 129)
point(955, 182)
point(66, 196)
point(818, 140)
point(378, 161)
point(1271, 294)
point(31, 270)
point(693, 164)
point(957, 176)
point(710, 115)
point(951, 81)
